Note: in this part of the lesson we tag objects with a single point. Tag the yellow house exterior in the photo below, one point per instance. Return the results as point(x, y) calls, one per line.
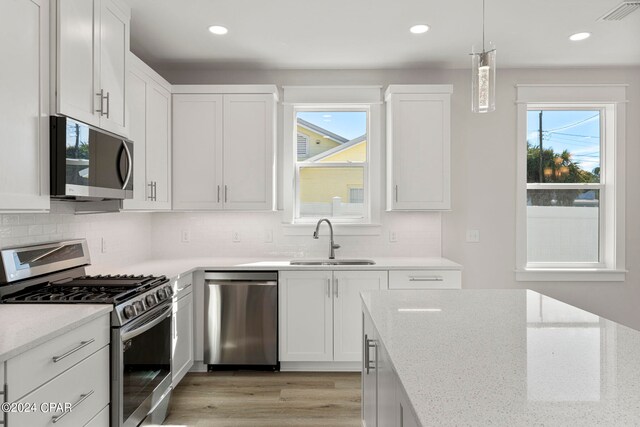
point(316, 143)
point(320, 185)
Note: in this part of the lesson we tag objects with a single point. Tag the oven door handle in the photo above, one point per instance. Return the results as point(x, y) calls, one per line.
point(148, 325)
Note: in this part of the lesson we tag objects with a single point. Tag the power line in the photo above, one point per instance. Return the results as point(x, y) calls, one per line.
point(576, 135)
point(574, 124)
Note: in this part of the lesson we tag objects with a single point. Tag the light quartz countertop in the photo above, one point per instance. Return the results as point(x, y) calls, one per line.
point(25, 326)
point(173, 268)
point(508, 358)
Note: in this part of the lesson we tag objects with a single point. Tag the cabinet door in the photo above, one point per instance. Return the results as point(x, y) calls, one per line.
point(369, 405)
point(347, 286)
point(24, 89)
point(137, 97)
point(405, 414)
point(182, 338)
point(248, 152)
point(387, 389)
point(197, 152)
point(419, 126)
point(114, 48)
point(77, 66)
point(158, 123)
point(306, 316)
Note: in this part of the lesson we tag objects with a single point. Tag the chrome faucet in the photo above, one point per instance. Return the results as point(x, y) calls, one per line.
point(333, 246)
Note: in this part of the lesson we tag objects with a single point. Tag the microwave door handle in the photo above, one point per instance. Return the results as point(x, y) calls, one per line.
point(129, 165)
point(146, 326)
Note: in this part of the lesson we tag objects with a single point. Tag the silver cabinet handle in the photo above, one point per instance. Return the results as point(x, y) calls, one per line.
point(396, 194)
point(155, 191)
point(426, 279)
point(150, 185)
point(83, 397)
point(226, 191)
point(328, 288)
point(218, 194)
point(82, 345)
point(108, 109)
point(101, 109)
point(368, 345)
point(337, 291)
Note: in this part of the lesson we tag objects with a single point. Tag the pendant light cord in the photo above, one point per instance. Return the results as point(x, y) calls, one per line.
point(483, 25)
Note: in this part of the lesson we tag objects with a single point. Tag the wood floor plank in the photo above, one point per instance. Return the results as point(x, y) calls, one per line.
point(263, 399)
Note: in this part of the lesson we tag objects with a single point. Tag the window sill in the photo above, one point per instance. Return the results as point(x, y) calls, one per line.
point(338, 229)
point(570, 275)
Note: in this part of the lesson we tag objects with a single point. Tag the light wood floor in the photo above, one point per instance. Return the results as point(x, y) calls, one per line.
point(256, 399)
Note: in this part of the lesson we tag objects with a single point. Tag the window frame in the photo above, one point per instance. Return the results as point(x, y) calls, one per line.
point(297, 219)
point(610, 101)
point(601, 186)
point(333, 98)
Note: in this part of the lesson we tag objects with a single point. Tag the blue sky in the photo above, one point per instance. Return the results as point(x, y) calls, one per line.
point(575, 131)
point(348, 124)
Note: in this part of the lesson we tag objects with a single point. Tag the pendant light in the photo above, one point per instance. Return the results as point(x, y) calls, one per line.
point(483, 76)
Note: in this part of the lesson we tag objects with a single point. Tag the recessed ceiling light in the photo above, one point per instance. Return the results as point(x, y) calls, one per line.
point(218, 30)
point(579, 36)
point(419, 29)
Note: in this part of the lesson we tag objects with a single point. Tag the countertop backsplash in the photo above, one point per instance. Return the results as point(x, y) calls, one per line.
point(126, 235)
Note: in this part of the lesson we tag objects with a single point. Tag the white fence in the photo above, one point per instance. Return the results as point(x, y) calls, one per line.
point(562, 234)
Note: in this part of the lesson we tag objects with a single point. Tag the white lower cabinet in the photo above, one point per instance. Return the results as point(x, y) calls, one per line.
point(183, 345)
point(71, 369)
point(320, 314)
point(384, 401)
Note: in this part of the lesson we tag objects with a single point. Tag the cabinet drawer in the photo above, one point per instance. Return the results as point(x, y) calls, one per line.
point(183, 286)
point(100, 420)
point(35, 367)
point(86, 385)
point(425, 279)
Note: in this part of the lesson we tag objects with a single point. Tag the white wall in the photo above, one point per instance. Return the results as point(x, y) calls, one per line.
point(127, 235)
point(483, 172)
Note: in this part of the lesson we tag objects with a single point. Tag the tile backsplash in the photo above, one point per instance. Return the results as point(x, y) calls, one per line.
point(126, 235)
point(262, 234)
point(118, 239)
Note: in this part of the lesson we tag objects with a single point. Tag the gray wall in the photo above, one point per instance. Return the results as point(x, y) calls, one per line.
point(483, 171)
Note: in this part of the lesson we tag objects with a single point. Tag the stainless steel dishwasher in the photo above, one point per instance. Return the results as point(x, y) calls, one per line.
point(241, 320)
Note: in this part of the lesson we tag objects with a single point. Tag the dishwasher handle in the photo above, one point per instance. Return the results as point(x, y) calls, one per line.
point(270, 276)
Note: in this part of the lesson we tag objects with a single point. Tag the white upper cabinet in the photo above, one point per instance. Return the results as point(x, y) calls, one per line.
point(418, 147)
point(197, 152)
point(223, 148)
point(248, 151)
point(149, 112)
point(24, 105)
point(92, 44)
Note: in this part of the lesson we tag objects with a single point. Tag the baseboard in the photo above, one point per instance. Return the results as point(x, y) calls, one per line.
point(320, 366)
point(198, 366)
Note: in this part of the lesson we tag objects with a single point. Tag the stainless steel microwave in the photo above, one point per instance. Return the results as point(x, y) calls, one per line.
point(88, 163)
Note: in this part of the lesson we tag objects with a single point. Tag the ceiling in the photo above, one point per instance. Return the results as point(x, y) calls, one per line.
point(362, 34)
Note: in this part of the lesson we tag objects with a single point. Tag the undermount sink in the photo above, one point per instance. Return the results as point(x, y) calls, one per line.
point(332, 262)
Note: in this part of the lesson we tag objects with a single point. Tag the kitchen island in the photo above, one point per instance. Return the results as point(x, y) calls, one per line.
point(495, 357)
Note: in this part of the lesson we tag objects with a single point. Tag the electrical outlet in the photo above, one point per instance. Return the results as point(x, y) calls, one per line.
point(186, 236)
point(103, 246)
point(235, 236)
point(473, 236)
point(268, 236)
point(392, 237)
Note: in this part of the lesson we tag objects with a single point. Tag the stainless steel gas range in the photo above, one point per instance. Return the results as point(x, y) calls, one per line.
point(54, 273)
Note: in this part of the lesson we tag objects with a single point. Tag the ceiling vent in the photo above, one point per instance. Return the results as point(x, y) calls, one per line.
point(621, 11)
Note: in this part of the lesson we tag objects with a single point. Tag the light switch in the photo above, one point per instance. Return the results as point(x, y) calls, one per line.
point(235, 236)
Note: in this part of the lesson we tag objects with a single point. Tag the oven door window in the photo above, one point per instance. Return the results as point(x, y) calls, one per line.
point(146, 362)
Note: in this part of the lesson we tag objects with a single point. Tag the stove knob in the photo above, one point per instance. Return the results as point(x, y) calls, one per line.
point(151, 300)
point(129, 312)
point(161, 294)
point(169, 291)
point(139, 306)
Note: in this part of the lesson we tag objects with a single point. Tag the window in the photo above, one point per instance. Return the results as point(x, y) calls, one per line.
point(338, 175)
point(570, 214)
point(335, 165)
